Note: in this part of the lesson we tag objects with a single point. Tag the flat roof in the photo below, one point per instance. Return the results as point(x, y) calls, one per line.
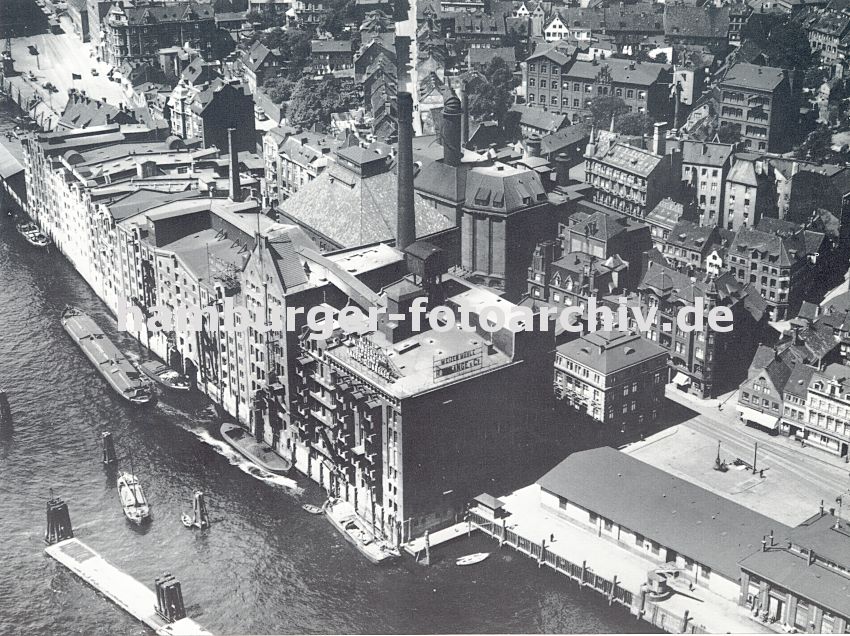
point(698, 524)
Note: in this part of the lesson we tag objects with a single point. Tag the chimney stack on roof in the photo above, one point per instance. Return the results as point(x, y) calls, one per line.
point(452, 134)
point(235, 185)
point(406, 219)
point(532, 146)
point(464, 115)
point(659, 138)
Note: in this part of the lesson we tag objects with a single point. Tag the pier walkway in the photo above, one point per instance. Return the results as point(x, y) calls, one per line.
point(120, 588)
point(618, 574)
point(416, 546)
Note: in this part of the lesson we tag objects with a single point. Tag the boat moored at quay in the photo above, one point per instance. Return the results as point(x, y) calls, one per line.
point(356, 531)
point(116, 369)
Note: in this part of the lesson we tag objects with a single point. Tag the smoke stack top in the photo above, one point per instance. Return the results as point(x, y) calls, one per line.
point(235, 183)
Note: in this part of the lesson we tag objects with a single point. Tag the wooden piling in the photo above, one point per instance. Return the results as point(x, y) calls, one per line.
point(108, 444)
point(5, 411)
point(58, 522)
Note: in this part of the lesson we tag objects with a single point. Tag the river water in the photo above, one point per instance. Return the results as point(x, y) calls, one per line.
point(265, 566)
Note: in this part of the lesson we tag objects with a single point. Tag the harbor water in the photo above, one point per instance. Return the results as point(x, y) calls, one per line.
point(265, 565)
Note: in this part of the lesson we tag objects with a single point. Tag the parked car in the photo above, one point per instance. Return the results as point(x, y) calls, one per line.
point(94, 72)
point(32, 49)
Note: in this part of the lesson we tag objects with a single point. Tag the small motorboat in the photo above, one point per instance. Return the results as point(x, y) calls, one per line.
point(187, 520)
point(472, 559)
point(37, 239)
point(356, 531)
point(133, 500)
point(166, 376)
point(313, 510)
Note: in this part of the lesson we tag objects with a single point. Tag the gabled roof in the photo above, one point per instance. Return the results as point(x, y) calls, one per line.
point(696, 22)
point(558, 141)
point(706, 153)
point(696, 523)
point(666, 214)
point(750, 76)
point(540, 119)
point(691, 236)
point(174, 12)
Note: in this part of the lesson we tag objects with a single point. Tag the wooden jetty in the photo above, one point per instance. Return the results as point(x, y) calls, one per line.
point(416, 547)
point(122, 589)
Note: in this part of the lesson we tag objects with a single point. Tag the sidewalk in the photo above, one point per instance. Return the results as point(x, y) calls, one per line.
point(531, 521)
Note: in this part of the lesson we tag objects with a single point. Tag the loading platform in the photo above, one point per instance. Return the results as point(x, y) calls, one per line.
point(122, 589)
point(415, 547)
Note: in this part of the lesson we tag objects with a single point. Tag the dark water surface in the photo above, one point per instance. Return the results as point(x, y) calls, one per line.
point(265, 566)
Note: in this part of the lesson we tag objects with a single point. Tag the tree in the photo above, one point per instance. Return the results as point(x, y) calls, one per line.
point(817, 146)
point(278, 88)
point(493, 97)
point(294, 47)
point(313, 101)
point(782, 40)
point(602, 109)
point(634, 124)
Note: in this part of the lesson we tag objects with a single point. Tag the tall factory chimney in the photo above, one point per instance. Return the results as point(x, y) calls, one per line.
point(235, 185)
point(464, 119)
point(452, 131)
point(406, 219)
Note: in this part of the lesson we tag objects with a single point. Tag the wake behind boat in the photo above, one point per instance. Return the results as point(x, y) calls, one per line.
point(356, 531)
point(164, 375)
point(105, 356)
point(255, 452)
point(133, 500)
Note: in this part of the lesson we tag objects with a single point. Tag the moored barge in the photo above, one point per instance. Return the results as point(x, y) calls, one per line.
point(116, 369)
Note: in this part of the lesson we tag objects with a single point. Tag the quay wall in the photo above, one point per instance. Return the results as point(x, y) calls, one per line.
point(636, 601)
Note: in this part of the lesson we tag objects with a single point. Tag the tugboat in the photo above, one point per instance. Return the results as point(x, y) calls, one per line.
point(344, 518)
point(105, 356)
point(166, 376)
point(255, 452)
point(136, 507)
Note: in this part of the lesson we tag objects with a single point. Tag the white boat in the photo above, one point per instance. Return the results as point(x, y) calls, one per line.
point(343, 517)
point(313, 510)
point(133, 500)
point(472, 559)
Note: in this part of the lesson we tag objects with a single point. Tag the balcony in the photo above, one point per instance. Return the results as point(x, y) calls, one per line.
point(321, 399)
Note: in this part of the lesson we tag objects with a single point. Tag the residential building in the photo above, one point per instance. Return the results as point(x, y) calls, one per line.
point(629, 179)
point(259, 63)
point(800, 581)
point(780, 267)
point(662, 219)
point(294, 159)
point(331, 56)
point(703, 362)
point(78, 11)
point(758, 103)
point(749, 192)
point(705, 166)
point(828, 410)
point(615, 377)
point(562, 84)
point(697, 25)
point(139, 32)
point(826, 31)
point(689, 245)
point(761, 395)
point(533, 121)
point(96, 12)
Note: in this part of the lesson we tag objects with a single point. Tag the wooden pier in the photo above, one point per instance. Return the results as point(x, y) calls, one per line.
point(122, 589)
point(415, 547)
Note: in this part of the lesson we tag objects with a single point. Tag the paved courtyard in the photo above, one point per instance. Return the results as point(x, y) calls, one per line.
point(795, 479)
